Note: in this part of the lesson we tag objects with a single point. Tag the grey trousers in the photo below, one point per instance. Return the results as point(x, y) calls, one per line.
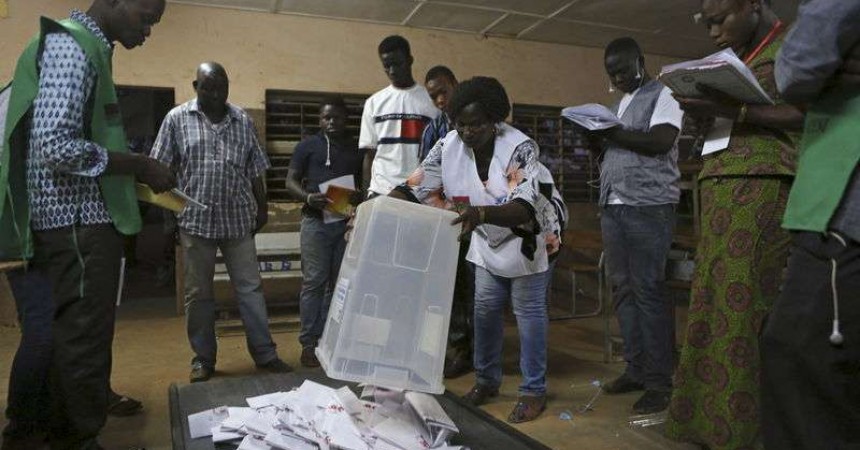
point(240, 257)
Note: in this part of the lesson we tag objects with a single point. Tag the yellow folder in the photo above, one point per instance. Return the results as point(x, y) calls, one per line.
point(167, 200)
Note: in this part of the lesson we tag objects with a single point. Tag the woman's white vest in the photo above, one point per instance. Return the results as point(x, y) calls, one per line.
point(493, 248)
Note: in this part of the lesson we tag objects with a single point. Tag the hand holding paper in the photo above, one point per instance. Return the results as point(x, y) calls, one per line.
point(338, 192)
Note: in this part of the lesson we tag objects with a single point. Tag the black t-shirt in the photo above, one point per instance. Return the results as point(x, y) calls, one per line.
point(309, 162)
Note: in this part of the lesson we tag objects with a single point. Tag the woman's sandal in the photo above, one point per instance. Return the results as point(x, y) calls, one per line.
point(528, 408)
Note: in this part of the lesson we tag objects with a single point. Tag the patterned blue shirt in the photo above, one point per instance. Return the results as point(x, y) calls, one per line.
point(435, 130)
point(215, 164)
point(63, 166)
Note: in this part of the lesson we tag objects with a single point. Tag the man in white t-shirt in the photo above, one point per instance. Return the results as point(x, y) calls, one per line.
point(393, 120)
point(638, 193)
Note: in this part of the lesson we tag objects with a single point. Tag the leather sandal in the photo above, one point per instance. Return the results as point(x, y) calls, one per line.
point(528, 408)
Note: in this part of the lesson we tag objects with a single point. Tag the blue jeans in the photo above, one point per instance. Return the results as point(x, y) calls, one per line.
point(528, 295)
point(322, 251)
point(636, 241)
point(28, 401)
point(240, 257)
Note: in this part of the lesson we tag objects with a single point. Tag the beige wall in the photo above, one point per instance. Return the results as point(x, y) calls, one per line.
point(267, 51)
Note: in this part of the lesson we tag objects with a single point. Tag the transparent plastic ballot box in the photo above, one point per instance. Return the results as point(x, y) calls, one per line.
point(388, 321)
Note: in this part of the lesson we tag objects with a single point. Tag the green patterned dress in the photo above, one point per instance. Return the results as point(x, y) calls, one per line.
point(739, 265)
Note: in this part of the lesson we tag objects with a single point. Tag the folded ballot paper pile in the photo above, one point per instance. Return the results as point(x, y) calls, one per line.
point(319, 417)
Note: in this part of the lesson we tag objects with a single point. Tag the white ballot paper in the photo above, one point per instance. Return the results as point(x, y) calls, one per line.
point(718, 136)
point(436, 421)
point(722, 71)
point(253, 443)
point(219, 434)
point(591, 116)
point(287, 442)
point(201, 424)
point(318, 417)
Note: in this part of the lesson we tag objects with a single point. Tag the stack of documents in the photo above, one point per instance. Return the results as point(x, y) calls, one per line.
point(319, 417)
point(591, 116)
point(722, 71)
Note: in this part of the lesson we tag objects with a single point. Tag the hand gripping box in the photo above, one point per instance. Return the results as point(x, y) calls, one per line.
point(388, 320)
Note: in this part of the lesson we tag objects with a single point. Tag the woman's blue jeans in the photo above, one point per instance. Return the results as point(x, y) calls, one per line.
point(528, 296)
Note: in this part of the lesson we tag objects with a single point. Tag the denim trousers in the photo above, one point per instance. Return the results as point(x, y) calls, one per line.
point(636, 242)
point(240, 257)
point(810, 388)
point(528, 297)
point(322, 247)
point(28, 400)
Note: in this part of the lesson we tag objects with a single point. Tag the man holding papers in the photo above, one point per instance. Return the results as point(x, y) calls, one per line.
point(328, 162)
point(212, 147)
point(742, 250)
point(67, 182)
point(638, 194)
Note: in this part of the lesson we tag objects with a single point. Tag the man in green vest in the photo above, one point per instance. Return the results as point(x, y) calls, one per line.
point(67, 195)
point(810, 345)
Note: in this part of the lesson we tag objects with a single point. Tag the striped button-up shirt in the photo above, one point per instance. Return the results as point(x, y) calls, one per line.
point(216, 165)
point(62, 166)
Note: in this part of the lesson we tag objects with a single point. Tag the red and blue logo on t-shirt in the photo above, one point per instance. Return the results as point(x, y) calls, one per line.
point(411, 128)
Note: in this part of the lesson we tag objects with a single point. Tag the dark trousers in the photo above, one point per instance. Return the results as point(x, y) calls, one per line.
point(636, 241)
point(28, 399)
point(461, 330)
point(83, 265)
point(811, 388)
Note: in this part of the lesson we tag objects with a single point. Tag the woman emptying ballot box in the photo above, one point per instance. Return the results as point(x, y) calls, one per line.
point(490, 172)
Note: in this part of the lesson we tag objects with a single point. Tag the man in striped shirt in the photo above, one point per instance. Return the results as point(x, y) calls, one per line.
point(212, 147)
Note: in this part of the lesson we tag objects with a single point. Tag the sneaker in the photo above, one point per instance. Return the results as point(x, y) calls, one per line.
point(652, 402)
point(480, 394)
point(275, 366)
point(623, 385)
point(309, 358)
point(528, 408)
point(200, 372)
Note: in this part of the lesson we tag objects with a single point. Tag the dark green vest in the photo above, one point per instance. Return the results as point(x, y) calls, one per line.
point(106, 130)
point(830, 151)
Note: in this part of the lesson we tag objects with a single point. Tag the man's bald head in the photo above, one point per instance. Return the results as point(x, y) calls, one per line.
point(211, 69)
point(212, 86)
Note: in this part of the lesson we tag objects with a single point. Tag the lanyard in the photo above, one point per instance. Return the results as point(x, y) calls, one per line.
point(764, 43)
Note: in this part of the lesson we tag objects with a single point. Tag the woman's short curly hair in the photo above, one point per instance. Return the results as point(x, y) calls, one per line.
point(485, 91)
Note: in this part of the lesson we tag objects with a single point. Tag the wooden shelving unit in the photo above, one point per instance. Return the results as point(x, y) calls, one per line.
point(563, 150)
point(292, 116)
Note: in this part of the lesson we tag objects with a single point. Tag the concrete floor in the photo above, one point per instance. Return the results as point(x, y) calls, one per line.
point(151, 352)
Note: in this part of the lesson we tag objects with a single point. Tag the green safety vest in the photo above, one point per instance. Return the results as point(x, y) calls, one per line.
point(106, 129)
point(829, 153)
